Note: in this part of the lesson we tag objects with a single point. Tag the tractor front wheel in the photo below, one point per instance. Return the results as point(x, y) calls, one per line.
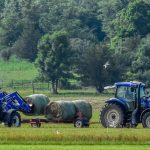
point(146, 120)
point(112, 116)
point(13, 120)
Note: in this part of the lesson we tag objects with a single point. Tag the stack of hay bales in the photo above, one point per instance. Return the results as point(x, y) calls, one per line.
point(66, 110)
point(38, 102)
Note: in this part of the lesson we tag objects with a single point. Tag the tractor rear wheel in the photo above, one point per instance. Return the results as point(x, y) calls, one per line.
point(146, 120)
point(112, 116)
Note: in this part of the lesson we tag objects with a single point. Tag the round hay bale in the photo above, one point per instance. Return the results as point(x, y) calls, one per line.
point(84, 107)
point(38, 102)
point(60, 111)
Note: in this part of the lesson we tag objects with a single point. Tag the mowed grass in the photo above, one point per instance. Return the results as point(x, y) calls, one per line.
point(66, 134)
point(16, 69)
point(75, 147)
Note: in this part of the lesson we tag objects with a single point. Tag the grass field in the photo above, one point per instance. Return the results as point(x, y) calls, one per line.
point(75, 147)
point(15, 69)
point(66, 134)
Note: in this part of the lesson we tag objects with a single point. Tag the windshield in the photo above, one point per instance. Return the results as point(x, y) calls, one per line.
point(126, 93)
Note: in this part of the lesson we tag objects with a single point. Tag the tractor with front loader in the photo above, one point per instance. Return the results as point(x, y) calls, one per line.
point(10, 104)
point(130, 107)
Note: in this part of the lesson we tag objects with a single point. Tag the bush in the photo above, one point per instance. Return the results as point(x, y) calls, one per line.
point(66, 84)
point(5, 54)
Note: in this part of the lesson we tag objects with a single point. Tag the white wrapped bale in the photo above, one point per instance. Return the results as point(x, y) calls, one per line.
point(38, 102)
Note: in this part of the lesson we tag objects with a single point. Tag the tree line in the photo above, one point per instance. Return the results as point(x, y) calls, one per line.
point(95, 41)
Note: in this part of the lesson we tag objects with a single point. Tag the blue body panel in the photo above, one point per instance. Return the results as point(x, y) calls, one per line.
point(121, 102)
point(13, 101)
point(145, 104)
point(2, 94)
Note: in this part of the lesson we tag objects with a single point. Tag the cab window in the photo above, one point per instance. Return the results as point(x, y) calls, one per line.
point(125, 93)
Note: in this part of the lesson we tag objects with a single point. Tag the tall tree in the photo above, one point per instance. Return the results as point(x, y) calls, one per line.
point(108, 12)
point(19, 28)
point(10, 25)
point(77, 17)
point(54, 57)
point(94, 66)
point(141, 63)
point(133, 20)
point(2, 3)
point(26, 45)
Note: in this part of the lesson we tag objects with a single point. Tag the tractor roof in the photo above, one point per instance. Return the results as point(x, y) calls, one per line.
point(131, 83)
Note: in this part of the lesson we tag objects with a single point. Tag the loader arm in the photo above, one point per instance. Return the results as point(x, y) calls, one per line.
point(2, 94)
point(14, 101)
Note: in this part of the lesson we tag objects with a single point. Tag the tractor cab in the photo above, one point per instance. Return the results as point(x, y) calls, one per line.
point(130, 105)
point(128, 92)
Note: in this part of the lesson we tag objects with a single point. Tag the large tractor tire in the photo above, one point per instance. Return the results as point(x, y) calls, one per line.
point(13, 120)
point(146, 120)
point(112, 116)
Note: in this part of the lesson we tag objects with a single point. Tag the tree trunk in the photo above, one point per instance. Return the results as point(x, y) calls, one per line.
point(99, 88)
point(54, 87)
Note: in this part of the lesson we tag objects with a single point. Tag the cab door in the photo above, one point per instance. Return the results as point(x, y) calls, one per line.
point(130, 98)
point(126, 94)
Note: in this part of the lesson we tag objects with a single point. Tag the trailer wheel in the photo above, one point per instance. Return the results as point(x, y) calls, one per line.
point(78, 123)
point(81, 123)
point(146, 120)
point(112, 116)
point(14, 120)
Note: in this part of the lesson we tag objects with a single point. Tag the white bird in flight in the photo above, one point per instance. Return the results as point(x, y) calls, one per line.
point(106, 64)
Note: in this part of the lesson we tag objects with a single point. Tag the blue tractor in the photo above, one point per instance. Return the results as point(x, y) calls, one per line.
point(130, 107)
point(10, 104)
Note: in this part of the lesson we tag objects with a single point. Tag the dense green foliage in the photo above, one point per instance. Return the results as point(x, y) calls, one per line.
point(54, 57)
point(109, 39)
